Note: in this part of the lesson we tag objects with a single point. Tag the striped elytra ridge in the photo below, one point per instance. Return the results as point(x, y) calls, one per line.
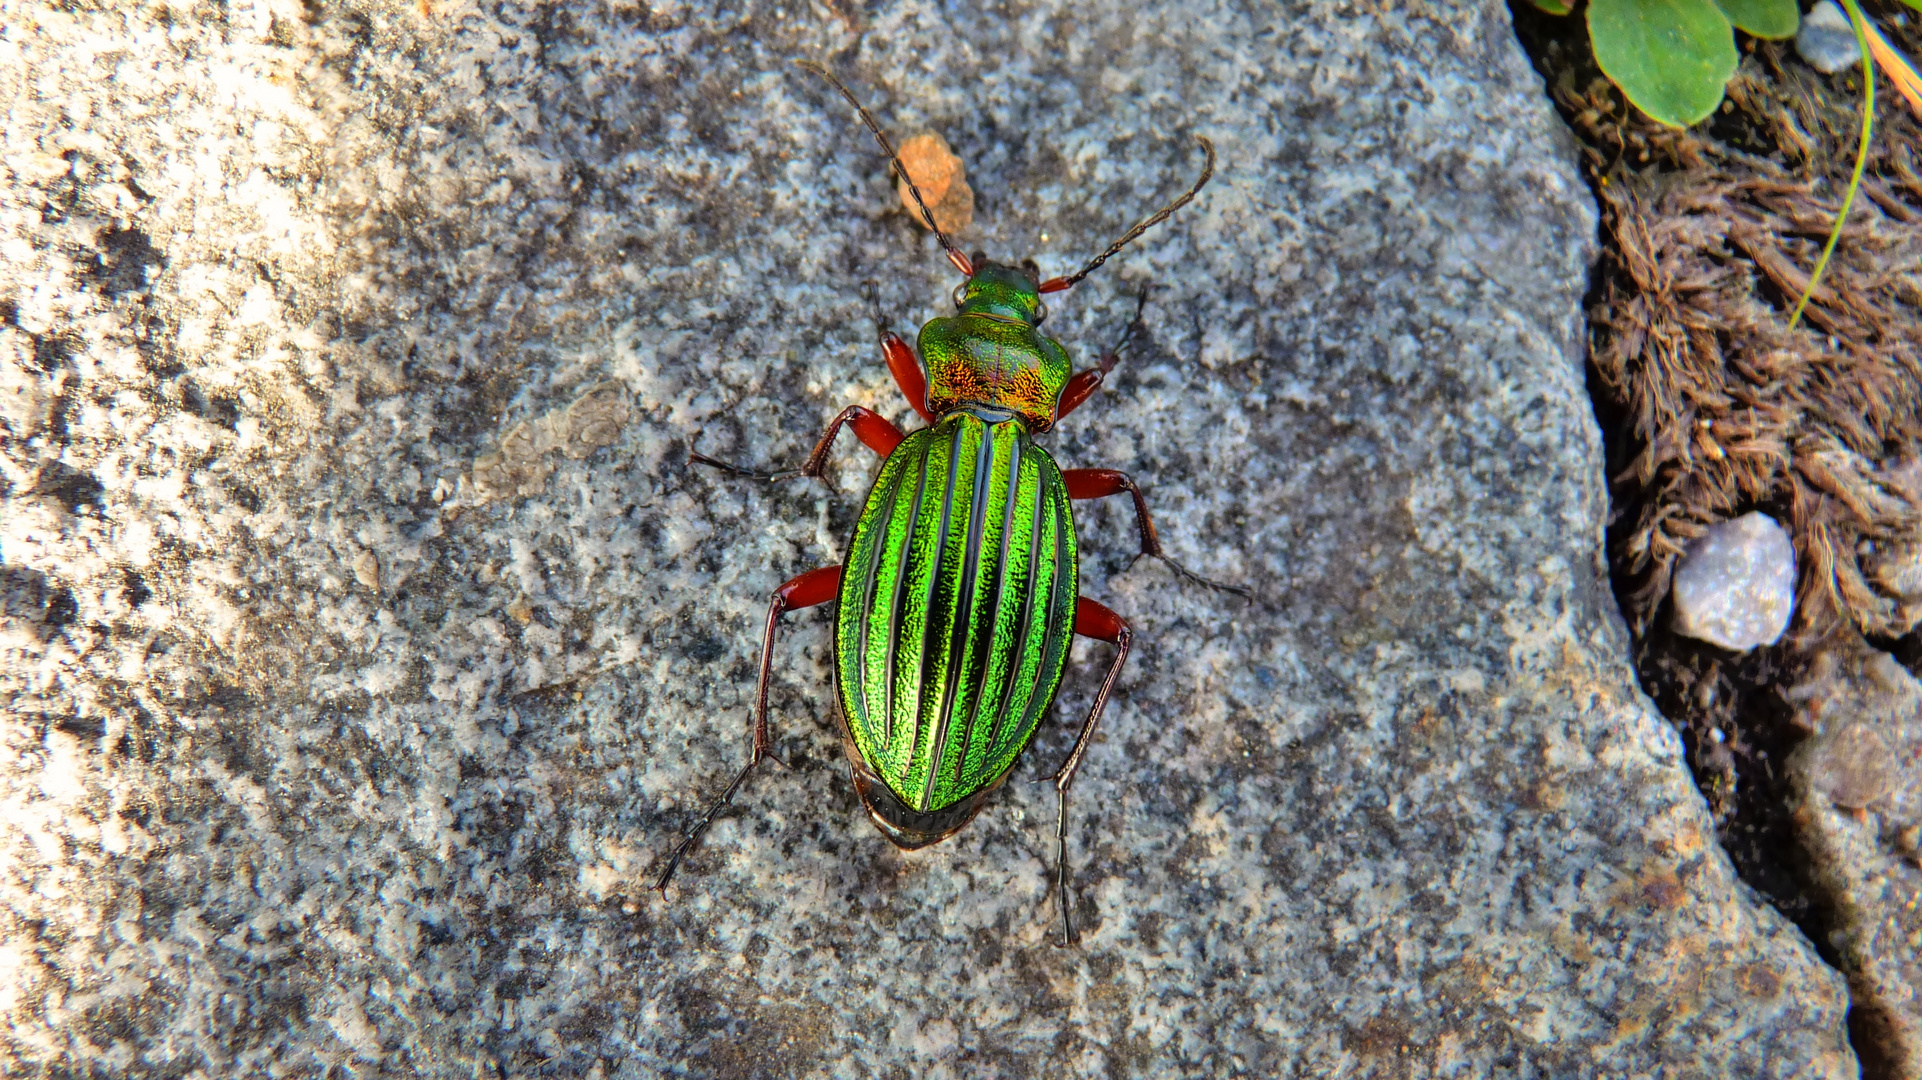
point(956, 608)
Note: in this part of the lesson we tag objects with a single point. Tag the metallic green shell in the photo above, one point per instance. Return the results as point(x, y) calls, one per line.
point(976, 359)
point(956, 608)
point(989, 353)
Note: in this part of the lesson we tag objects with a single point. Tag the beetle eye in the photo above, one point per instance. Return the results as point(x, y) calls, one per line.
point(960, 294)
point(1040, 313)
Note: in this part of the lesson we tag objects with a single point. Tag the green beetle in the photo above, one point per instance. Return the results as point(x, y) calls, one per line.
point(960, 591)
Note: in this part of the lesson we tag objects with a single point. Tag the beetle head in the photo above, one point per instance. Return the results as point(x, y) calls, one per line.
point(1008, 292)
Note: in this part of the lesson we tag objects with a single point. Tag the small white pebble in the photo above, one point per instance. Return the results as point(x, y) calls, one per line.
point(1716, 734)
point(1825, 40)
point(1736, 584)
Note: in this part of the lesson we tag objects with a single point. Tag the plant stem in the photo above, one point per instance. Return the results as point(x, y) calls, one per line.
point(1856, 23)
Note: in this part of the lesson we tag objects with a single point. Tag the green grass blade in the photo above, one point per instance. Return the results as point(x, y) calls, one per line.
point(1861, 158)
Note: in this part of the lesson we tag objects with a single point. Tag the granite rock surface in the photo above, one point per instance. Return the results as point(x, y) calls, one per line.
point(368, 640)
point(1859, 816)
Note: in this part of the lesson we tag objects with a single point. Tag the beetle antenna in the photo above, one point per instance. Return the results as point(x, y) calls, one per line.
point(1161, 215)
point(959, 260)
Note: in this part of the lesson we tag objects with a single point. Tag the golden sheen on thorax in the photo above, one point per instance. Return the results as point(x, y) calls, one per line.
point(991, 354)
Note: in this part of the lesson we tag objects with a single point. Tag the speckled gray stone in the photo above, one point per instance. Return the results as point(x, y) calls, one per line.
point(327, 753)
point(1859, 817)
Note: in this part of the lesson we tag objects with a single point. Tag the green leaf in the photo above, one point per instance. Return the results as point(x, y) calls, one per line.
point(1671, 57)
point(1774, 19)
point(1563, 7)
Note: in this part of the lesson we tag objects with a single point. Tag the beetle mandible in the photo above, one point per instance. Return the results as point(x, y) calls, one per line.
point(959, 592)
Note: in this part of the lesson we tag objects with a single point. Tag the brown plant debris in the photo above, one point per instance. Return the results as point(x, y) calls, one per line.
point(1730, 410)
point(940, 176)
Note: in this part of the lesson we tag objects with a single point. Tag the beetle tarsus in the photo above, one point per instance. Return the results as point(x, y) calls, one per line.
point(1112, 356)
point(1101, 483)
point(700, 828)
point(804, 591)
point(871, 291)
point(1193, 578)
point(1061, 875)
point(1091, 620)
point(695, 457)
